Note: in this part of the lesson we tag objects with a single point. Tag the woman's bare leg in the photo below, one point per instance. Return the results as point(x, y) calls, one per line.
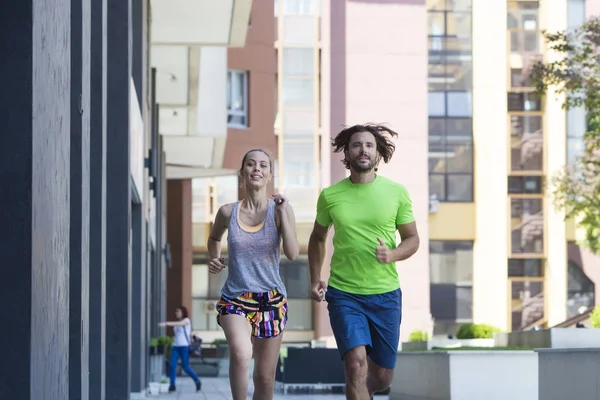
point(266, 355)
point(237, 333)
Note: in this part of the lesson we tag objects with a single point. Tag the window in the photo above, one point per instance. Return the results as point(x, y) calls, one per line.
point(297, 7)
point(450, 101)
point(237, 99)
point(525, 185)
point(527, 226)
point(520, 267)
point(296, 277)
point(451, 287)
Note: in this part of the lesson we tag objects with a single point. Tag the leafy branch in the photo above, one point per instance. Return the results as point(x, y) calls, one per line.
point(576, 76)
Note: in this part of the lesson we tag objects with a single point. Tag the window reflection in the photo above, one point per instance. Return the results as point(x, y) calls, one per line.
point(527, 303)
point(527, 226)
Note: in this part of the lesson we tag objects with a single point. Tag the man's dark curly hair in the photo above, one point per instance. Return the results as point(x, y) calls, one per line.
point(382, 134)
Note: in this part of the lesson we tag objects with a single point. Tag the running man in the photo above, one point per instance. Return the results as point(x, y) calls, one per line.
point(363, 296)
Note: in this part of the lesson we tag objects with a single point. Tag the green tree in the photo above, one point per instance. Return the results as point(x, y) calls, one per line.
point(576, 75)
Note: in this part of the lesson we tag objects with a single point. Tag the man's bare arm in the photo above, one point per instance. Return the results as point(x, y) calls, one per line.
point(409, 244)
point(316, 251)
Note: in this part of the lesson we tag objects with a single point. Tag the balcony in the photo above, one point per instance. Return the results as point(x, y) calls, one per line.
point(189, 51)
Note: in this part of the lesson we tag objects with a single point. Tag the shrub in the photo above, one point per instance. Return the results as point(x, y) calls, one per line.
point(595, 317)
point(476, 331)
point(418, 336)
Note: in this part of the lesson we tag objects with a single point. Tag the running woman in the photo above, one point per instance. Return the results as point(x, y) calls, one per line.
point(181, 347)
point(363, 296)
point(253, 306)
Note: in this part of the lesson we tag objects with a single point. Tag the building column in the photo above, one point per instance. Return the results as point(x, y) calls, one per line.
point(80, 200)
point(179, 237)
point(138, 311)
point(97, 272)
point(553, 18)
point(118, 202)
point(490, 129)
point(36, 114)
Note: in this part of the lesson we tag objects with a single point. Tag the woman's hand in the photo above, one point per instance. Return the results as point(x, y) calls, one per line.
point(216, 265)
point(281, 202)
point(162, 324)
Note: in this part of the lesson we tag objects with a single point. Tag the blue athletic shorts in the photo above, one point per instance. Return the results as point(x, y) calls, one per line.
point(371, 320)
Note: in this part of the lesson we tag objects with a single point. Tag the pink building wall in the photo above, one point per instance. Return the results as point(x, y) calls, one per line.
point(375, 70)
point(592, 8)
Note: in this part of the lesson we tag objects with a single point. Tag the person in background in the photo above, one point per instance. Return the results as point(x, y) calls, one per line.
point(253, 305)
point(181, 346)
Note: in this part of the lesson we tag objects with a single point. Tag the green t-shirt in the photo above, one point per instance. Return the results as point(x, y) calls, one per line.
point(360, 213)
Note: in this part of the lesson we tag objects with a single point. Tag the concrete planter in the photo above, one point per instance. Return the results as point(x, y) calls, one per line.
point(430, 344)
point(569, 373)
point(555, 338)
point(466, 375)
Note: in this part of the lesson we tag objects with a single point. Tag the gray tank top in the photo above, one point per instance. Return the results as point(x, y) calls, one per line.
point(253, 256)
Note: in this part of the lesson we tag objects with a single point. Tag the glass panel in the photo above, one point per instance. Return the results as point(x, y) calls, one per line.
point(576, 122)
point(200, 314)
point(458, 24)
point(298, 62)
point(200, 280)
point(527, 143)
point(226, 189)
point(522, 42)
point(575, 14)
point(451, 302)
point(298, 165)
point(581, 291)
point(459, 155)
point(437, 154)
point(525, 184)
point(299, 122)
point(299, 30)
point(436, 77)
point(459, 104)
point(300, 315)
point(460, 187)
point(459, 75)
point(523, 15)
point(296, 277)
point(300, 7)
point(527, 226)
point(436, 23)
point(523, 102)
point(519, 78)
point(522, 267)
point(436, 104)
point(200, 195)
point(298, 93)
point(575, 148)
point(527, 303)
point(437, 186)
point(450, 261)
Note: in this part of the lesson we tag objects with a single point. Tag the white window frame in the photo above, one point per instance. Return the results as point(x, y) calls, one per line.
point(233, 93)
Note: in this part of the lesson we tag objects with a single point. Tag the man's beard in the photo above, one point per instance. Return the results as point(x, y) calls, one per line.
point(362, 168)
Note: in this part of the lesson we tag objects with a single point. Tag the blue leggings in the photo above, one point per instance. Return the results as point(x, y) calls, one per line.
point(184, 353)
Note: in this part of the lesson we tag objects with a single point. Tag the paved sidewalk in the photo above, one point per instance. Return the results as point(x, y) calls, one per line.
point(218, 389)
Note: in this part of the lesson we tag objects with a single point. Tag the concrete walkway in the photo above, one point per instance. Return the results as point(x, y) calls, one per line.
point(218, 389)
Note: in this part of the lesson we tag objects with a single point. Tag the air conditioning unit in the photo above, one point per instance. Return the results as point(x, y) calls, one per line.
point(209, 306)
point(434, 204)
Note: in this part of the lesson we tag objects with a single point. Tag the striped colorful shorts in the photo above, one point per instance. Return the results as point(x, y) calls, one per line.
point(266, 312)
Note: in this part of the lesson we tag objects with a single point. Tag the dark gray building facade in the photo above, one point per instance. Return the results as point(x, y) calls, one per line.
point(83, 200)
